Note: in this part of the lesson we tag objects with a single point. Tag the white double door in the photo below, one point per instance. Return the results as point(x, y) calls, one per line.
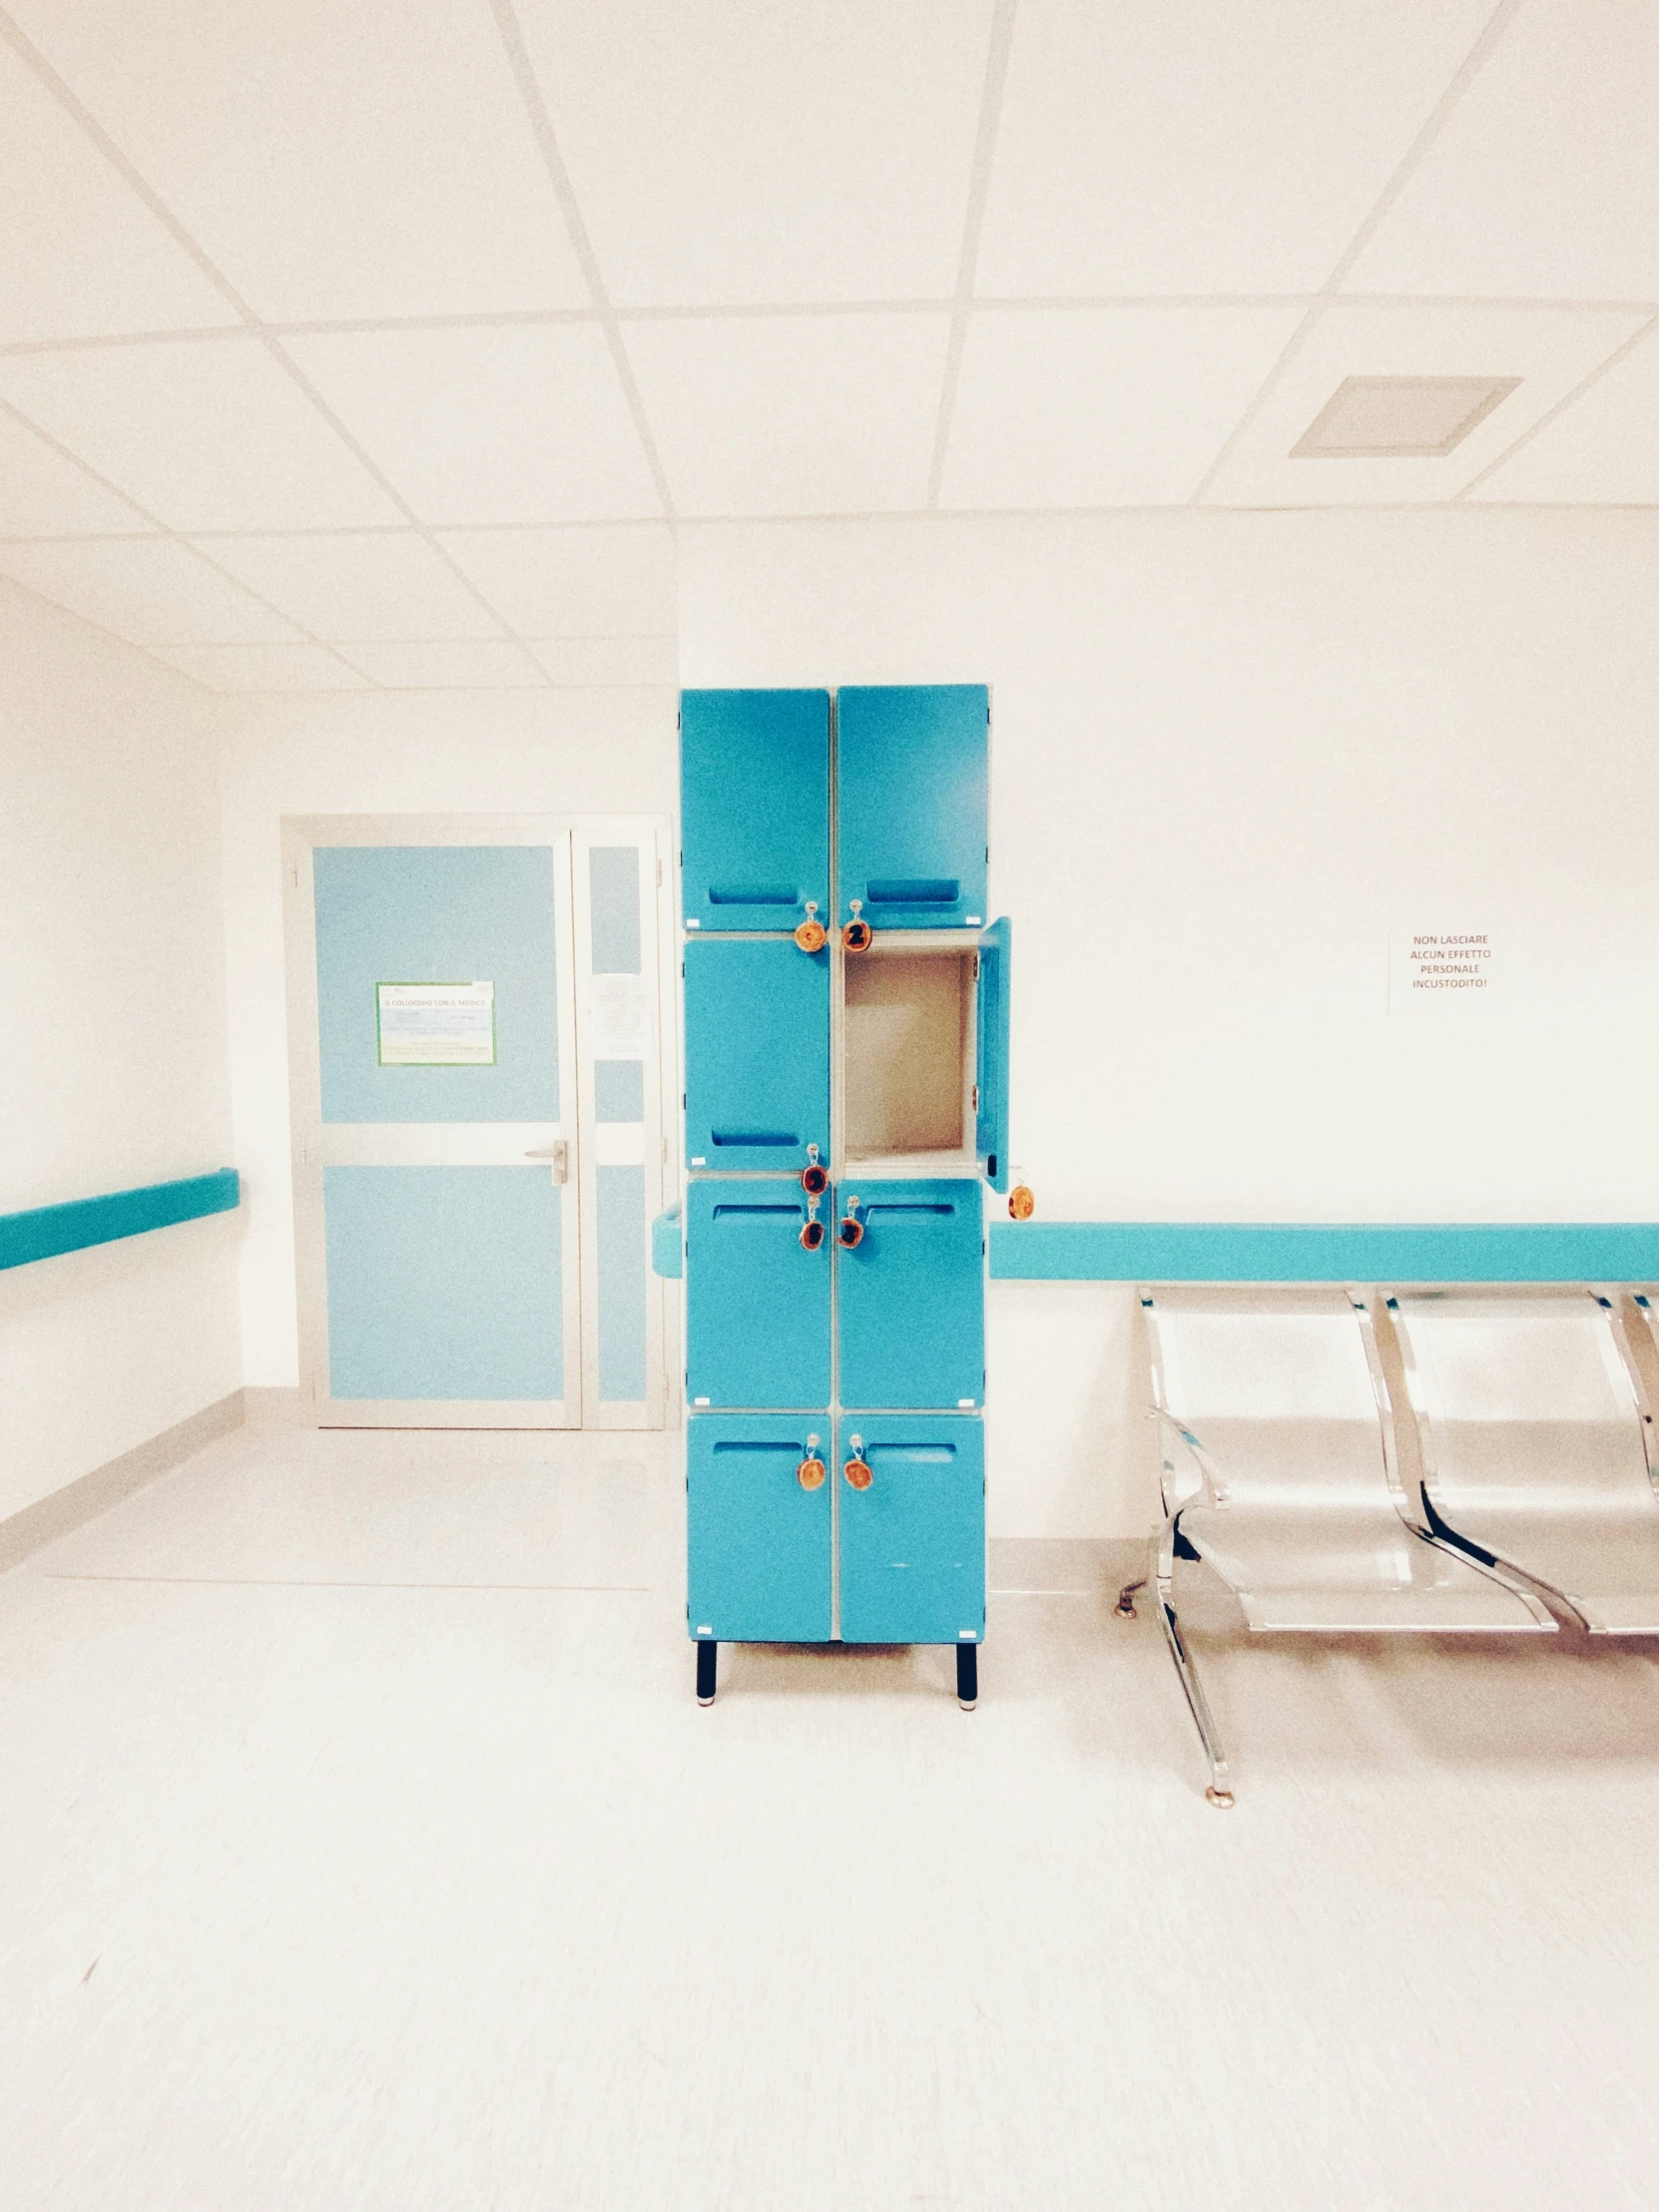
point(475, 1046)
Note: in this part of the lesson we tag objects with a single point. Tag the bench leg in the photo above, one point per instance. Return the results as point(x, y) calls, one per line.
point(1197, 1704)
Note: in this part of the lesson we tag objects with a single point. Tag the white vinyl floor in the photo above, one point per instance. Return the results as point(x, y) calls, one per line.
point(363, 1849)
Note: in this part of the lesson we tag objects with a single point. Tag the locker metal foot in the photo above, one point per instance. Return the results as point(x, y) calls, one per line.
point(707, 1652)
point(967, 1676)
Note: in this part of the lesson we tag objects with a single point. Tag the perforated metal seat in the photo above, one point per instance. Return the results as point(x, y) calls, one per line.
point(1279, 1472)
point(1538, 1442)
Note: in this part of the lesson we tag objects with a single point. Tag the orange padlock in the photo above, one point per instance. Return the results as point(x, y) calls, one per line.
point(811, 1233)
point(811, 1473)
point(858, 1474)
point(857, 936)
point(851, 1230)
point(811, 936)
point(815, 1180)
point(1022, 1203)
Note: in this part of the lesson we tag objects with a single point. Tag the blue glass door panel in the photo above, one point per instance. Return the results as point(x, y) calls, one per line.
point(754, 807)
point(443, 1282)
point(757, 1302)
point(757, 1054)
point(912, 1543)
point(453, 913)
point(910, 1298)
point(991, 1121)
point(912, 796)
point(758, 1545)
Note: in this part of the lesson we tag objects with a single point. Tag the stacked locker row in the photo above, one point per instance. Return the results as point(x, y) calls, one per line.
point(846, 1042)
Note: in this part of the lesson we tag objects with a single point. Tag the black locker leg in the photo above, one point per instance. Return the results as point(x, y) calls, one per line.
point(967, 1676)
point(707, 1653)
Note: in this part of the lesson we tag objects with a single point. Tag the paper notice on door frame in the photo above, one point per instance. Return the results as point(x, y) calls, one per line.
point(435, 1025)
point(1440, 967)
point(621, 1017)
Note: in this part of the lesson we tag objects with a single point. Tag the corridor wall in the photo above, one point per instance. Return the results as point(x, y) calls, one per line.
point(1237, 755)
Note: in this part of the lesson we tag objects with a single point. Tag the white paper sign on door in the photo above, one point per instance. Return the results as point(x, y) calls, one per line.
point(435, 1025)
point(621, 1029)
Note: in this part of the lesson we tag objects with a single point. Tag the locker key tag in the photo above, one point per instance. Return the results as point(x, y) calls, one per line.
point(1021, 1203)
point(811, 936)
point(812, 1470)
point(857, 1470)
point(857, 936)
point(815, 1180)
point(811, 1228)
point(851, 1230)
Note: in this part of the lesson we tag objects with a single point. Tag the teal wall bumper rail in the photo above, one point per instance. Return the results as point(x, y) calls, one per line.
point(44, 1231)
point(1320, 1252)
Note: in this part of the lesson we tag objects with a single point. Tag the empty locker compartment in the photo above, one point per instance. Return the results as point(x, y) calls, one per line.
point(757, 1537)
point(912, 1491)
point(754, 807)
point(910, 1294)
point(757, 1054)
point(923, 1061)
point(756, 1301)
point(912, 796)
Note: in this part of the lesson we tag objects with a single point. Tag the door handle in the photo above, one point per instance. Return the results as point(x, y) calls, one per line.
point(559, 1153)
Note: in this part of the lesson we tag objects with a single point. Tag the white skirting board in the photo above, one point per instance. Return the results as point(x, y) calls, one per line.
point(91, 1494)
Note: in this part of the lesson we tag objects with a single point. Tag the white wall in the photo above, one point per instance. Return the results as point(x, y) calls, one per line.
point(564, 751)
point(112, 1042)
point(1231, 754)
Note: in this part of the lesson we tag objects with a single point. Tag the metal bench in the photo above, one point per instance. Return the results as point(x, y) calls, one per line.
point(1279, 1472)
point(1538, 1442)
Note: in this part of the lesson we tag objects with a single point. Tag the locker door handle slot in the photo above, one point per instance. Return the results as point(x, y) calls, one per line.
point(755, 1139)
point(915, 892)
point(749, 1213)
point(897, 1207)
point(910, 1455)
point(732, 895)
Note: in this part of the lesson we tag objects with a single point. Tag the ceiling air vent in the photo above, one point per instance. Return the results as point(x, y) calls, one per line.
point(1396, 418)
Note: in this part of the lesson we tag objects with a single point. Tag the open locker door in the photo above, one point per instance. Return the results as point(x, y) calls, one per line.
point(990, 1129)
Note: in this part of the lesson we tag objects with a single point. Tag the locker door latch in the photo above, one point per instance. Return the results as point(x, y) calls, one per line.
point(811, 936)
point(857, 936)
point(812, 1470)
point(814, 1179)
point(811, 1228)
point(856, 1469)
point(851, 1230)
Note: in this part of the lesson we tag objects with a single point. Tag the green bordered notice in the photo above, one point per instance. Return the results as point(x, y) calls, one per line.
point(435, 1025)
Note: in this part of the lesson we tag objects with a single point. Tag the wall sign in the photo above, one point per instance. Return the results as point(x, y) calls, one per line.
point(1438, 968)
point(435, 1025)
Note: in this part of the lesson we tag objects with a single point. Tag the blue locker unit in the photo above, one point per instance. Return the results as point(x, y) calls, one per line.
point(754, 807)
point(990, 1136)
point(759, 1543)
point(913, 1531)
point(912, 792)
point(910, 1297)
point(757, 1054)
point(756, 1303)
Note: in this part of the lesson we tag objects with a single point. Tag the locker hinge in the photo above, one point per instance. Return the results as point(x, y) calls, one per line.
point(975, 1105)
point(682, 1100)
point(293, 876)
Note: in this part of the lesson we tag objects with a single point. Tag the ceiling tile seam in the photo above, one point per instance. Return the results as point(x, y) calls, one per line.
point(1434, 123)
point(542, 128)
point(1569, 400)
point(157, 526)
point(128, 171)
point(997, 49)
point(945, 516)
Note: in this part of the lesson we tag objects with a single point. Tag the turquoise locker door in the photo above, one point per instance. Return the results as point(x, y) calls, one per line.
point(757, 1302)
point(910, 1295)
point(912, 1529)
point(754, 807)
point(912, 794)
point(758, 1542)
point(757, 1054)
point(991, 1138)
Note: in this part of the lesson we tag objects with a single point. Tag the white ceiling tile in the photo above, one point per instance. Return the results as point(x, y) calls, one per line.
point(479, 666)
point(1178, 146)
point(207, 433)
point(796, 414)
point(573, 583)
point(44, 495)
point(608, 660)
point(262, 668)
point(82, 254)
point(333, 160)
point(1545, 181)
point(1603, 449)
point(1102, 406)
point(786, 153)
point(370, 585)
point(520, 424)
point(1549, 349)
point(151, 591)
